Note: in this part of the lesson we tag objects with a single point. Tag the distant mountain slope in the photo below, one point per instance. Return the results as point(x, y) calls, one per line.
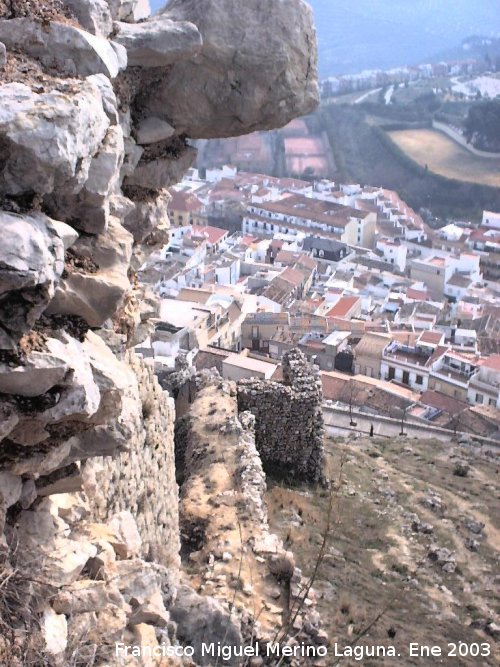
point(378, 34)
point(367, 34)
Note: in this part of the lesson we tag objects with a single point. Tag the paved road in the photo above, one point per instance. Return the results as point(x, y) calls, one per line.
point(363, 97)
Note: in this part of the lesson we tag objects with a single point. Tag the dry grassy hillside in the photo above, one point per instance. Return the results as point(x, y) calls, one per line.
point(413, 538)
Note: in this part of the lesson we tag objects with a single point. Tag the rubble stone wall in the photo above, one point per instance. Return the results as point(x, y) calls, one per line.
point(289, 419)
point(142, 479)
point(225, 531)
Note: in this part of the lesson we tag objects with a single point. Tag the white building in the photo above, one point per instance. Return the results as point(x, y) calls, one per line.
point(393, 252)
point(451, 232)
point(491, 219)
point(239, 366)
point(484, 388)
point(406, 364)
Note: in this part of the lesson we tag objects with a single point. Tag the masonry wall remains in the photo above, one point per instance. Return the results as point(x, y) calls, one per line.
point(289, 419)
point(142, 479)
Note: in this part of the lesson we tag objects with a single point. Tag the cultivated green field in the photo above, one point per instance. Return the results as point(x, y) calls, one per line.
point(445, 157)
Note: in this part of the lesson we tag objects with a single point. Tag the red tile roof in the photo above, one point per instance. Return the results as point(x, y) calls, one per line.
point(184, 201)
point(343, 306)
point(417, 294)
point(248, 240)
point(492, 362)
point(212, 234)
point(293, 276)
point(442, 402)
point(432, 337)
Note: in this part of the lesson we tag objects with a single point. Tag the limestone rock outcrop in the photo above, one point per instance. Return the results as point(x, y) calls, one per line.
point(64, 47)
point(129, 10)
point(32, 263)
point(48, 138)
point(98, 102)
point(93, 15)
point(158, 42)
point(256, 69)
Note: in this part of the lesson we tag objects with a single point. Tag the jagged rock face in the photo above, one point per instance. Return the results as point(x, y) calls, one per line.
point(256, 69)
point(129, 10)
point(47, 140)
point(148, 216)
point(71, 50)
point(92, 131)
point(32, 264)
point(93, 15)
point(95, 291)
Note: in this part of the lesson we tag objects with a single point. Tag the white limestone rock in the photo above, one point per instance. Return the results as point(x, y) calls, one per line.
point(93, 15)
point(89, 209)
point(49, 139)
point(40, 372)
point(138, 580)
point(133, 155)
point(62, 482)
point(31, 264)
point(121, 55)
point(41, 463)
point(153, 611)
point(256, 69)
point(120, 414)
point(71, 50)
point(28, 494)
point(152, 130)
point(96, 296)
point(55, 632)
point(128, 542)
point(9, 419)
point(106, 164)
point(3, 54)
point(42, 539)
point(121, 207)
point(108, 96)
point(158, 42)
point(198, 617)
point(93, 387)
point(112, 375)
point(79, 394)
point(101, 628)
point(130, 10)
point(66, 233)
